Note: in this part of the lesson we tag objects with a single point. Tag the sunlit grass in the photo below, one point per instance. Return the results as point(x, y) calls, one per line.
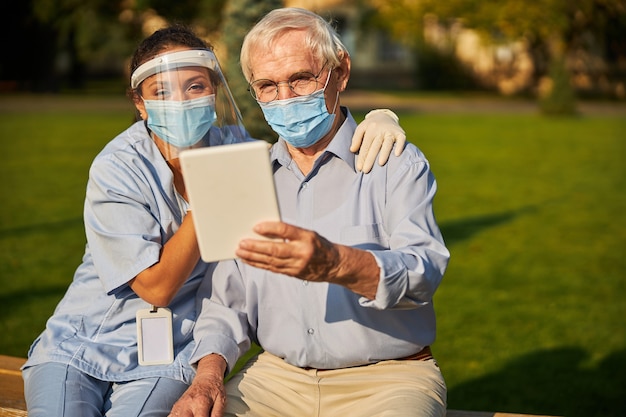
point(533, 211)
point(531, 311)
point(44, 174)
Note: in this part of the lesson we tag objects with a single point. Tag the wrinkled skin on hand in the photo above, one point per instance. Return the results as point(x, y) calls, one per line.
point(205, 397)
point(297, 252)
point(306, 255)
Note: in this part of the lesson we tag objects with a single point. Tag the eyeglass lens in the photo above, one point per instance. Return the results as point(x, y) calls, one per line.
point(301, 83)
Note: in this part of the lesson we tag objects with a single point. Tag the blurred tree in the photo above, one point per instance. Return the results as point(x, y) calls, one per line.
point(239, 17)
point(559, 99)
point(85, 33)
point(204, 15)
point(74, 39)
point(28, 50)
point(553, 28)
point(403, 18)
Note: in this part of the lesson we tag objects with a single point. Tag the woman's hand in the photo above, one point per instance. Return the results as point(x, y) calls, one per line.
point(375, 136)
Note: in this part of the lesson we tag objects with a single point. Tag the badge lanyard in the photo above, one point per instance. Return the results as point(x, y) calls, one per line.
point(154, 336)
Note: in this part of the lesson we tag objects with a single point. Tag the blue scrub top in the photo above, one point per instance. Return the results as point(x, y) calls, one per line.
point(131, 210)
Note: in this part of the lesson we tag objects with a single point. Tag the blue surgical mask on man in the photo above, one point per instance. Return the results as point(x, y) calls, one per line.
point(303, 120)
point(181, 123)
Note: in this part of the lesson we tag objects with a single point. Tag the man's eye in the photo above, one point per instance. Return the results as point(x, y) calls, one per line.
point(265, 86)
point(302, 77)
point(302, 82)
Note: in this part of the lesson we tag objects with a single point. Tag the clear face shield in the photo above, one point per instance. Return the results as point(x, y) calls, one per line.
point(187, 101)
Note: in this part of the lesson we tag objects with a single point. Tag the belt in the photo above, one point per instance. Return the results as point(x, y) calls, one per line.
point(423, 355)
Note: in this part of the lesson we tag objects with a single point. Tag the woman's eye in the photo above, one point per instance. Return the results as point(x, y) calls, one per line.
point(197, 87)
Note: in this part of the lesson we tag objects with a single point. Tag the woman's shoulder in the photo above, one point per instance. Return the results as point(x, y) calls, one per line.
point(135, 137)
point(133, 149)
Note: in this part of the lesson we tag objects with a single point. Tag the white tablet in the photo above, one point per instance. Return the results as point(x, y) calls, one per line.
point(230, 189)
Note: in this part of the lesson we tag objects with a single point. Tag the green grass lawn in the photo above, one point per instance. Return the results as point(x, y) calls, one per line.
point(531, 312)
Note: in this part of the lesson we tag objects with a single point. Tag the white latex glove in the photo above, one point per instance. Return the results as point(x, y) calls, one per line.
point(376, 135)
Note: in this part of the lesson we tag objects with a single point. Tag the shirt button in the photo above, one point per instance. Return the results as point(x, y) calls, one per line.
point(305, 283)
point(310, 331)
point(305, 185)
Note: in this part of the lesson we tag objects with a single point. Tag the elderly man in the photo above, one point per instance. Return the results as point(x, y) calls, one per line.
point(340, 299)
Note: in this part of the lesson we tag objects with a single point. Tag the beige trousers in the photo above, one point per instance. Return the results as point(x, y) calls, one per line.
point(269, 387)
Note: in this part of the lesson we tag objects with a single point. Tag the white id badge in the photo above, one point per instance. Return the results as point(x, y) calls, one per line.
point(154, 336)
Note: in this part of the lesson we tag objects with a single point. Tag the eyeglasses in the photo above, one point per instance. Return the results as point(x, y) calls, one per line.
point(301, 83)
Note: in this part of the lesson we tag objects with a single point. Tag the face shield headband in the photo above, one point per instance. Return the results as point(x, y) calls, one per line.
point(185, 102)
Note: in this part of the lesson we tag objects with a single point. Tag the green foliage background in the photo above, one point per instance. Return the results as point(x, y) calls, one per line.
point(531, 311)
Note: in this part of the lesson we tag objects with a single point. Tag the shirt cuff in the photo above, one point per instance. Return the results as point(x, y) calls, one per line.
point(221, 345)
point(392, 281)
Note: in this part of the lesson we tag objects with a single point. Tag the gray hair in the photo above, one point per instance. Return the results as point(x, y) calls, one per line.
point(321, 39)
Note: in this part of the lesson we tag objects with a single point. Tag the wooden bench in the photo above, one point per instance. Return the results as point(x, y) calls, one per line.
point(460, 413)
point(12, 402)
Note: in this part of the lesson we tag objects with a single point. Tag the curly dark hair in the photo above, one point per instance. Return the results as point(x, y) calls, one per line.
point(162, 39)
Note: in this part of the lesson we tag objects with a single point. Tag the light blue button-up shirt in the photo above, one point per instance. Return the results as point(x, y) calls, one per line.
point(387, 212)
point(131, 210)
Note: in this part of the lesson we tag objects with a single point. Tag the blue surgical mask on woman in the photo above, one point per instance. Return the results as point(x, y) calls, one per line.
point(302, 121)
point(181, 123)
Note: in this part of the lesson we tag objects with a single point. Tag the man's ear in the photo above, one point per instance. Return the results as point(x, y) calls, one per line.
point(343, 72)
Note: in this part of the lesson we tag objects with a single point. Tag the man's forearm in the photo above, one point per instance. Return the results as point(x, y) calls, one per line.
point(211, 366)
point(358, 271)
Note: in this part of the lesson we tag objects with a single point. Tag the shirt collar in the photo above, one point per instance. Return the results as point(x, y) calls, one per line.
point(339, 146)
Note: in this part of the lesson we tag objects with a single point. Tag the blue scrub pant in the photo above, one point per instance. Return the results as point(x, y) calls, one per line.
point(59, 390)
